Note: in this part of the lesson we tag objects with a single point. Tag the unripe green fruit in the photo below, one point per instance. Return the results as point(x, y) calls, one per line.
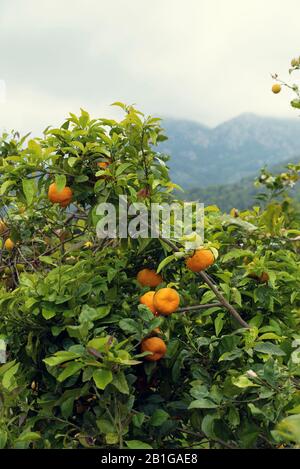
point(294, 62)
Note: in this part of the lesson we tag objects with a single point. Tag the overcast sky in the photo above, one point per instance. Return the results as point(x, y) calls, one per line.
point(206, 60)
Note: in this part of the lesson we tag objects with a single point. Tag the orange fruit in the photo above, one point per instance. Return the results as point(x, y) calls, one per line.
point(149, 278)
point(147, 300)
point(155, 345)
point(276, 88)
point(63, 197)
point(3, 227)
point(9, 244)
point(103, 164)
point(143, 193)
point(264, 278)
point(201, 259)
point(166, 301)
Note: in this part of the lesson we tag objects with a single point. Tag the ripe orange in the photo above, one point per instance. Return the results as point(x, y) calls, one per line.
point(276, 88)
point(147, 300)
point(201, 259)
point(155, 345)
point(166, 301)
point(103, 164)
point(149, 278)
point(63, 197)
point(9, 244)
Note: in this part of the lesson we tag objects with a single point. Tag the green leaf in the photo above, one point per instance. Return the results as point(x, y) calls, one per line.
point(138, 419)
point(129, 325)
point(219, 322)
point(102, 377)
point(202, 403)
point(92, 314)
point(270, 336)
point(60, 357)
point(5, 186)
point(289, 428)
point(158, 418)
point(243, 382)
point(120, 382)
point(105, 426)
point(236, 254)
point(61, 181)
point(230, 356)
point(120, 169)
point(295, 103)
point(29, 189)
point(112, 438)
point(165, 262)
point(70, 370)
point(137, 444)
point(3, 438)
point(8, 378)
point(207, 425)
point(99, 343)
point(67, 407)
point(48, 313)
point(269, 349)
point(72, 160)
point(119, 104)
point(47, 260)
point(29, 436)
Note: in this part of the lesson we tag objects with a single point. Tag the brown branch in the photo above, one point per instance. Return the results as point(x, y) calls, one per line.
point(196, 307)
point(214, 288)
point(223, 300)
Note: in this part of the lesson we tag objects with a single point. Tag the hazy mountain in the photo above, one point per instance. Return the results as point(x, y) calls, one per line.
point(203, 156)
point(242, 194)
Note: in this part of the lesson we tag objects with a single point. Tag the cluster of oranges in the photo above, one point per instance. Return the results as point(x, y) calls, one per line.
point(165, 301)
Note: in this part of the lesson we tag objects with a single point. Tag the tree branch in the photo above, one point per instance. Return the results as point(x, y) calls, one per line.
point(197, 307)
point(214, 288)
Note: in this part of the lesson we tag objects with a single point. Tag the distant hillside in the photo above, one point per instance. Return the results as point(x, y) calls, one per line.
point(241, 195)
point(202, 156)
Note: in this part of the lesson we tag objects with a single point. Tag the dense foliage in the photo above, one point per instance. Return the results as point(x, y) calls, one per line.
point(71, 318)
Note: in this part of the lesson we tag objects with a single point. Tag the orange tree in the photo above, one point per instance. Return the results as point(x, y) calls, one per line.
point(92, 360)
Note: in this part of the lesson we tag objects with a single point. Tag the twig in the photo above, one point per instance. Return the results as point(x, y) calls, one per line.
point(217, 440)
point(196, 307)
point(223, 300)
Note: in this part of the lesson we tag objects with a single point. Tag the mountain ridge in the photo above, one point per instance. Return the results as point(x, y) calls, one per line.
point(202, 156)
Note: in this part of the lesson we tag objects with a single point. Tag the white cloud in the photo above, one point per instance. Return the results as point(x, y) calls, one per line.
point(206, 60)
